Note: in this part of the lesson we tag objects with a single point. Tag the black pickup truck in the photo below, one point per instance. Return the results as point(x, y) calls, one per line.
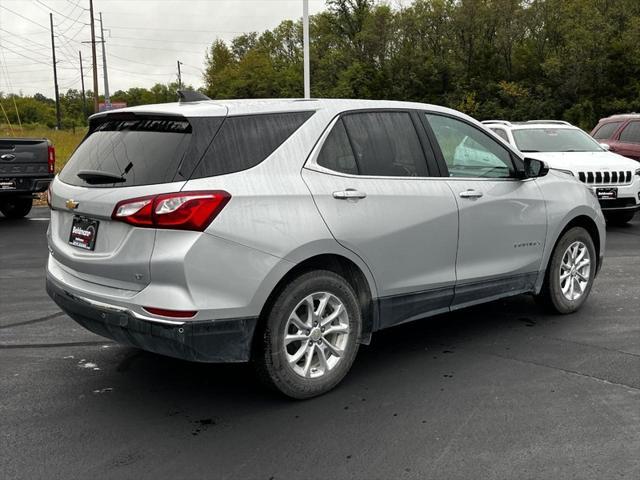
point(27, 166)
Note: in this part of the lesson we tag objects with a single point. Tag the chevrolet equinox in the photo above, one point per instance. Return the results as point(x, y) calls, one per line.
point(286, 232)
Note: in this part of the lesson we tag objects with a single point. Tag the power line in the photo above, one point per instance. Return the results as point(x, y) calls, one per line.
point(23, 17)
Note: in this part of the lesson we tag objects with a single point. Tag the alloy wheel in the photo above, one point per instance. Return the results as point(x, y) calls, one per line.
point(575, 271)
point(316, 334)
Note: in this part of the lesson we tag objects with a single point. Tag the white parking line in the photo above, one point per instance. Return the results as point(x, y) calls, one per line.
point(38, 219)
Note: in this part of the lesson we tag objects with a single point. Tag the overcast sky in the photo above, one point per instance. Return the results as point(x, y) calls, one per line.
point(143, 41)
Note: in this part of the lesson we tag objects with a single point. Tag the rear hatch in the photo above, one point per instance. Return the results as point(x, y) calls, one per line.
point(124, 156)
point(21, 158)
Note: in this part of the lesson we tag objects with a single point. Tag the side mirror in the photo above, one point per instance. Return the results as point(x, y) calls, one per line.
point(535, 168)
point(605, 146)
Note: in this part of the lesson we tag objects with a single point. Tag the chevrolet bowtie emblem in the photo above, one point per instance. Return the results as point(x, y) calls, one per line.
point(71, 204)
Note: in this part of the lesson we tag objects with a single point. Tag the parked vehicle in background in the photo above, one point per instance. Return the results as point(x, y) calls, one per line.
point(621, 133)
point(285, 232)
point(613, 178)
point(27, 166)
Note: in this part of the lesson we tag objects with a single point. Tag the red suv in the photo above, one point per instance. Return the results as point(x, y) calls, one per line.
point(621, 133)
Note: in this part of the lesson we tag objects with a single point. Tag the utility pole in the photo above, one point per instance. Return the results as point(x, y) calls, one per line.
point(179, 76)
point(305, 48)
point(84, 98)
point(55, 73)
point(95, 61)
point(107, 100)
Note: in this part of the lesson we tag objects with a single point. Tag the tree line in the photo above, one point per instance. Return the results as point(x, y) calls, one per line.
point(576, 60)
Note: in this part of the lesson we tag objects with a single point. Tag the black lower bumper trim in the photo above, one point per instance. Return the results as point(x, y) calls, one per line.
point(198, 341)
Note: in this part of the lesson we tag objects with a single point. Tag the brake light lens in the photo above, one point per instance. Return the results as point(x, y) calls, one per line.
point(164, 312)
point(49, 197)
point(51, 158)
point(179, 211)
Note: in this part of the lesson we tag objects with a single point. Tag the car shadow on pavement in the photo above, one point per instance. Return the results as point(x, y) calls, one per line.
point(140, 373)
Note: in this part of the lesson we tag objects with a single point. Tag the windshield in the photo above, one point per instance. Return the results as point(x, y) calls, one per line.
point(554, 140)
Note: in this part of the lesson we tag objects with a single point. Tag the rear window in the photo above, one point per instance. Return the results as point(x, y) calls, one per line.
point(142, 151)
point(245, 141)
point(146, 151)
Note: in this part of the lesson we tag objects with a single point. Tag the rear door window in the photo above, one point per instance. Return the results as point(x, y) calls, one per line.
point(385, 144)
point(606, 131)
point(631, 133)
point(141, 151)
point(245, 141)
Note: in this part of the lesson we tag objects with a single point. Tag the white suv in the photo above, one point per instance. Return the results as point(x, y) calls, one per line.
point(614, 178)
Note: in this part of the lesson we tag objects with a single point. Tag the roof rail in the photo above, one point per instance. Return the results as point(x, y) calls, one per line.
point(500, 122)
point(631, 114)
point(185, 96)
point(553, 122)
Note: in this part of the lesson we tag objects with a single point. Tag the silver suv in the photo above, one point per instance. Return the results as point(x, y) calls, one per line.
point(286, 232)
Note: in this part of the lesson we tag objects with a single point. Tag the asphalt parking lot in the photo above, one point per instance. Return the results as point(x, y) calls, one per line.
point(499, 391)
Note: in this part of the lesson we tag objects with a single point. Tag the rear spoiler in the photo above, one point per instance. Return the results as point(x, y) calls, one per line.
point(185, 96)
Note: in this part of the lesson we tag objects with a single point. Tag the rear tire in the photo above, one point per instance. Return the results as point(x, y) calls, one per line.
point(620, 218)
point(305, 351)
point(570, 273)
point(16, 207)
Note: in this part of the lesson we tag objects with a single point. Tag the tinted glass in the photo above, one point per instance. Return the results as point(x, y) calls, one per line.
point(142, 151)
point(606, 131)
point(501, 133)
point(386, 144)
point(468, 151)
point(336, 153)
point(243, 142)
point(631, 133)
point(554, 140)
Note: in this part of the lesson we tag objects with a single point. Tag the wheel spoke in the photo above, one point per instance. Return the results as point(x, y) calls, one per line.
point(571, 289)
point(333, 349)
point(322, 305)
point(310, 310)
point(295, 319)
point(583, 264)
point(337, 329)
point(309, 358)
point(297, 337)
point(295, 358)
point(582, 277)
point(323, 360)
point(335, 314)
point(564, 275)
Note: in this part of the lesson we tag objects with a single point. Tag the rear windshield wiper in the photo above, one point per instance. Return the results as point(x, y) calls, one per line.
point(529, 151)
point(96, 177)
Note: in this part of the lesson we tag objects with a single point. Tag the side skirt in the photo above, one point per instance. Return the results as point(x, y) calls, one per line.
point(397, 309)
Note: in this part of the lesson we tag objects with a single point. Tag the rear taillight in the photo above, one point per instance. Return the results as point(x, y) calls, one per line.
point(51, 158)
point(49, 196)
point(179, 211)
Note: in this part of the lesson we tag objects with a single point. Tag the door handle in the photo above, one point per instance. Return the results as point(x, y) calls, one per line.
point(470, 194)
point(348, 194)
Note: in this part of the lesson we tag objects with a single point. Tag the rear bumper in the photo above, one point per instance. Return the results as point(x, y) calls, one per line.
point(26, 186)
point(222, 340)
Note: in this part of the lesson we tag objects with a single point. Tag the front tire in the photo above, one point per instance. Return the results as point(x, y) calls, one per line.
point(570, 273)
point(16, 207)
point(309, 338)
